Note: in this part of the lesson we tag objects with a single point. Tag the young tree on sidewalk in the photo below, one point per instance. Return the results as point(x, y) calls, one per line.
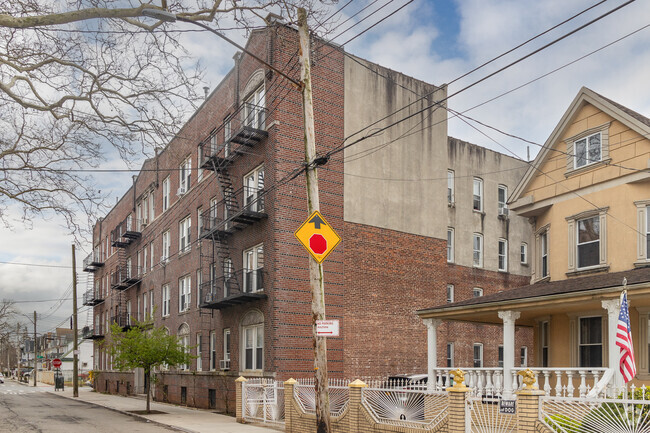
point(146, 347)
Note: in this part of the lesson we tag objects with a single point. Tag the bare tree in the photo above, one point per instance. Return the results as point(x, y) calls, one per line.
point(81, 79)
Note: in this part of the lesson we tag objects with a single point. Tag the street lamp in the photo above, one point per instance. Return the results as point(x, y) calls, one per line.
point(169, 17)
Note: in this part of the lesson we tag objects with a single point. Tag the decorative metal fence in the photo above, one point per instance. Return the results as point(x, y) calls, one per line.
point(339, 395)
point(263, 401)
point(629, 412)
point(415, 408)
point(483, 415)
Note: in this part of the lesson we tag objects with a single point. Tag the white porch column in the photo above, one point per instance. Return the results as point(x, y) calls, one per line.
point(432, 350)
point(508, 318)
point(613, 307)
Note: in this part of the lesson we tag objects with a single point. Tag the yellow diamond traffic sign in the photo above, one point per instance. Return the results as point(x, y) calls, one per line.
point(317, 236)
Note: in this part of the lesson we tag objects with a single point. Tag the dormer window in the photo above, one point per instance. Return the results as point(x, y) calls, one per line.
point(588, 150)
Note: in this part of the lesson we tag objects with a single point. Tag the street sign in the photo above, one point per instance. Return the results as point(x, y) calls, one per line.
point(317, 236)
point(56, 363)
point(327, 328)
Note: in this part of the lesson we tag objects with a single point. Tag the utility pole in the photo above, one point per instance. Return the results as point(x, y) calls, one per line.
point(75, 349)
point(315, 269)
point(35, 352)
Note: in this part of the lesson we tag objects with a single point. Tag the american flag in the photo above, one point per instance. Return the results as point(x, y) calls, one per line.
point(624, 342)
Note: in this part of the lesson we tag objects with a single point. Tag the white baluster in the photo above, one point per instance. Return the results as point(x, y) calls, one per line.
point(582, 389)
point(596, 375)
point(569, 387)
point(480, 381)
point(558, 383)
point(489, 385)
point(547, 381)
point(515, 381)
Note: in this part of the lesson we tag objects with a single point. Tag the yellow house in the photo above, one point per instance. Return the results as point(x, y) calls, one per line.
point(587, 195)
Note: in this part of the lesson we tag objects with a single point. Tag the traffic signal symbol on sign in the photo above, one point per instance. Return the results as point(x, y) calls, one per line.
point(317, 236)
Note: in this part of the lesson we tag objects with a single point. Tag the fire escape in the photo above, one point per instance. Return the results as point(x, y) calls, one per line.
point(223, 285)
point(125, 274)
point(93, 294)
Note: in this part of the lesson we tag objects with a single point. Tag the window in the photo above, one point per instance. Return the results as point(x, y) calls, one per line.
point(587, 150)
point(450, 244)
point(588, 242)
point(185, 176)
point(590, 345)
point(647, 230)
point(151, 207)
point(450, 293)
point(129, 312)
point(199, 283)
point(254, 109)
point(228, 281)
point(478, 355)
point(543, 338)
point(477, 202)
point(450, 355)
point(151, 256)
point(184, 293)
point(213, 351)
point(477, 256)
point(184, 341)
point(477, 292)
point(543, 248)
point(139, 310)
point(199, 161)
point(523, 356)
point(165, 191)
point(500, 358)
point(523, 254)
point(502, 199)
point(151, 304)
point(145, 259)
point(226, 344)
point(253, 341)
point(184, 235)
point(253, 269)
point(166, 247)
point(253, 185)
point(165, 300)
point(145, 310)
point(503, 255)
point(199, 222)
point(450, 187)
point(199, 353)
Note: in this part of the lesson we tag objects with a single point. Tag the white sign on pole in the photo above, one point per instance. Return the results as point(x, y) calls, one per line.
point(327, 328)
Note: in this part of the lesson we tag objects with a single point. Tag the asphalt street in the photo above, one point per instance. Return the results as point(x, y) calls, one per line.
point(26, 409)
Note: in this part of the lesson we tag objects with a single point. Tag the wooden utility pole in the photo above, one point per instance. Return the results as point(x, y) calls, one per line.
point(75, 349)
point(315, 269)
point(35, 351)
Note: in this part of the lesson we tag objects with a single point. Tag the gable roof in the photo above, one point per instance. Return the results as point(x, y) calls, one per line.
point(631, 118)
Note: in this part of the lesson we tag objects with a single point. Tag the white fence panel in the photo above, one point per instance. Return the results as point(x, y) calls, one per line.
point(404, 407)
point(263, 401)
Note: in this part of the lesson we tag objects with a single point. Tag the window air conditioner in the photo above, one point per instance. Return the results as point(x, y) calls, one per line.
point(181, 191)
point(164, 260)
point(503, 212)
point(224, 364)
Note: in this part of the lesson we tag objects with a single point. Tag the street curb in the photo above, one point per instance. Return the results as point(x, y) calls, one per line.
point(140, 417)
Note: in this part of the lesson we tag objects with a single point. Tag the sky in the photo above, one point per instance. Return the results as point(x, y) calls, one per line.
point(434, 41)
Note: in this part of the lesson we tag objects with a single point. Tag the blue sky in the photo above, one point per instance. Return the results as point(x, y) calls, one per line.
point(434, 41)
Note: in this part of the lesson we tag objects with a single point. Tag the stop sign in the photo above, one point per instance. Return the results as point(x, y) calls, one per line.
point(56, 363)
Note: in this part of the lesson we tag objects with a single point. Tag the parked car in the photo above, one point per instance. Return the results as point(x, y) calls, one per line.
point(2, 378)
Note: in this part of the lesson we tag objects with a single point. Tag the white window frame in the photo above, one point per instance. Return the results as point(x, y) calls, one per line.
point(257, 99)
point(502, 203)
point(587, 145)
point(502, 255)
point(145, 308)
point(152, 306)
point(477, 292)
point(199, 221)
point(199, 283)
point(480, 358)
point(213, 351)
point(523, 253)
point(451, 193)
point(185, 174)
point(643, 228)
point(199, 352)
point(184, 293)
point(253, 259)
point(544, 340)
point(184, 341)
point(596, 218)
point(253, 184)
point(450, 244)
point(152, 207)
point(227, 344)
point(165, 297)
point(151, 256)
point(500, 356)
point(450, 293)
point(601, 344)
point(523, 356)
point(165, 191)
point(450, 355)
point(477, 191)
point(199, 161)
point(184, 234)
point(477, 252)
point(145, 259)
point(257, 364)
point(166, 246)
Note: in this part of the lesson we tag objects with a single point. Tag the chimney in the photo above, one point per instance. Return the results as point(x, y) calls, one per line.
point(205, 91)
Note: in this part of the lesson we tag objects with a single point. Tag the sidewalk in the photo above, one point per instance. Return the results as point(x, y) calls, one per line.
point(182, 418)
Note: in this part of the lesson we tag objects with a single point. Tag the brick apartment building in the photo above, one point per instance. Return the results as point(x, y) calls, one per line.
point(203, 240)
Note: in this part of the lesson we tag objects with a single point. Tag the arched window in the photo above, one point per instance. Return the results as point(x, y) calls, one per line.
point(184, 339)
point(252, 341)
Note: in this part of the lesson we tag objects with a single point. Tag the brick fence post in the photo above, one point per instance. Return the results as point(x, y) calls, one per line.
point(528, 409)
point(288, 405)
point(354, 405)
point(457, 396)
point(239, 406)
